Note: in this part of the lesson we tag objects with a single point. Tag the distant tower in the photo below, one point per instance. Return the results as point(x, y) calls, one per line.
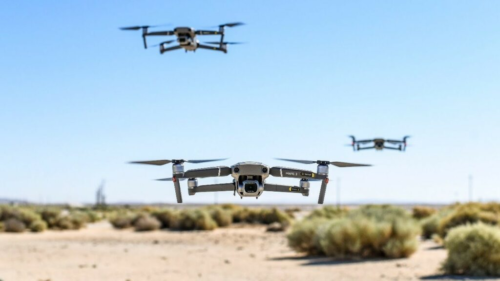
point(100, 197)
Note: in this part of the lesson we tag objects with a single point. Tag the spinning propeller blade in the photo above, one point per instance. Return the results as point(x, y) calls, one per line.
point(176, 161)
point(161, 43)
point(323, 162)
point(227, 43)
point(232, 24)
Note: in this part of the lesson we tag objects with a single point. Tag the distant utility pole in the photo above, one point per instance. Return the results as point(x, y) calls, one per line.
point(470, 187)
point(338, 192)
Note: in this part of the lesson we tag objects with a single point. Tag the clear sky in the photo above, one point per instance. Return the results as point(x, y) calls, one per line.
point(79, 98)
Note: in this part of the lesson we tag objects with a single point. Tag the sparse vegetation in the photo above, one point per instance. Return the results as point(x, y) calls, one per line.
point(469, 214)
point(164, 216)
point(14, 225)
point(421, 212)
point(221, 216)
point(369, 231)
point(196, 219)
point(473, 250)
point(146, 223)
point(328, 212)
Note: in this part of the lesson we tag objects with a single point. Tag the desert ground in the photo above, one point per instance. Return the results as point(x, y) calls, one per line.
point(240, 252)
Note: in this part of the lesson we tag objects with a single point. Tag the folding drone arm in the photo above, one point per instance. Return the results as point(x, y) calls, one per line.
point(163, 49)
point(295, 173)
point(220, 48)
point(207, 32)
point(369, 147)
point(212, 188)
point(219, 171)
point(390, 147)
point(285, 188)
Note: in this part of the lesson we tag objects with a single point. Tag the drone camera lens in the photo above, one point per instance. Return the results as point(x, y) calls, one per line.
point(236, 170)
point(264, 170)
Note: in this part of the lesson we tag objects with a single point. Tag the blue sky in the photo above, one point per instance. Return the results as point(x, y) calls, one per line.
point(80, 98)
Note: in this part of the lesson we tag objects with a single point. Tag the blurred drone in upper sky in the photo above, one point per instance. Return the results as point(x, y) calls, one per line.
point(379, 144)
point(186, 37)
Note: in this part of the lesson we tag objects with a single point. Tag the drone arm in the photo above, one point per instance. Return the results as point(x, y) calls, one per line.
point(207, 32)
point(220, 171)
point(222, 49)
point(212, 188)
point(284, 188)
point(294, 173)
point(369, 147)
point(159, 33)
point(389, 147)
point(163, 49)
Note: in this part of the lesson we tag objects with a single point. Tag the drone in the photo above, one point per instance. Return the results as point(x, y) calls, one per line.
point(379, 144)
point(249, 178)
point(186, 37)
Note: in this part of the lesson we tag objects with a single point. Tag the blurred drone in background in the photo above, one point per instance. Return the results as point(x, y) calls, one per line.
point(186, 37)
point(379, 144)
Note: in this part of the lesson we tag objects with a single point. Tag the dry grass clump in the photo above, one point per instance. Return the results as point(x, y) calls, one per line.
point(221, 216)
point(421, 212)
point(164, 216)
point(269, 216)
point(122, 220)
point(17, 219)
point(146, 223)
point(328, 212)
point(473, 250)
point(195, 219)
point(469, 214)
point(14, 225)
point(302, 237)
point(369, 231)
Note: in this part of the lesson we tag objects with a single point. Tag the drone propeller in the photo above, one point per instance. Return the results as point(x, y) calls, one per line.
point(175, 161)
point(225, 43)
point(232, 24)
point(322, 162)
point(138, 27)
point(170, 179)
point(161, 43)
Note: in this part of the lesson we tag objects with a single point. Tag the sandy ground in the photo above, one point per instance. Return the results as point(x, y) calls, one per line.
point(237, 253)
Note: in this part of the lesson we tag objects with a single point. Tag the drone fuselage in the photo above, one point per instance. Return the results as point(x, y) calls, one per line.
point(379, 144)
point(186, 38)
point(249, 178)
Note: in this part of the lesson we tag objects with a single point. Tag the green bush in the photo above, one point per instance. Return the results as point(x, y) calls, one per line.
point(302, 237)
point(269, 216)
point(122, 220)
point(193, 220)
point(421, 212)
point(369, 231)
point(473, 250)
point(468, 214)
point(328, 212)
point(221, 216)
point(38, 226)
point(367, 237)
point(14, 225)
point(51, 216)
point(164, 216)
point(146, 223)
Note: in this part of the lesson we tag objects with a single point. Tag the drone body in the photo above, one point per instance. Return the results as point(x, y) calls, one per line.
point(187, 38)
point(379, 144)
point(249, 178)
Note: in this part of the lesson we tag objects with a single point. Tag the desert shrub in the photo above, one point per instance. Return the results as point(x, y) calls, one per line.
point(269, 216)
point(473, 250)
point(26, 216)
point(369, 231)
point(146, 223)
point(381, 212)
point(421, 212)
point(230, 207)
point(328, 212)
point(14, 225)
point(221, 216)
point(430, 226)
point(246, 215)
point(2, 227)
point(302, 237)
point(51, 216)
point(164, 216)
point(38, 226)
point(368, 237)
point(193, 220)
point(122, 220)
point(92, 216)
point(467, 214)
